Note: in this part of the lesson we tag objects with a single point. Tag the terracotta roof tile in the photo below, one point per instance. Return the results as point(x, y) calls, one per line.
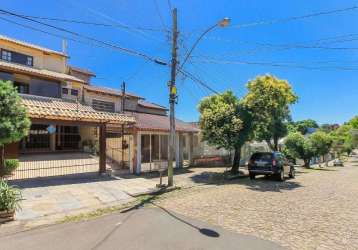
point(151, 105)
point(81, 70)
point(109, 91)
point(151, 122)
point(41, 72)
point(54, 108)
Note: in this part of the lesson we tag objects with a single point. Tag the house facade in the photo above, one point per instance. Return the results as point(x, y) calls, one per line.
point(69, 114)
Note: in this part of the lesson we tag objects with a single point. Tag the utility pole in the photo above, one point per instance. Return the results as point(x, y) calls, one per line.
point(123, 110)
point(172, 98)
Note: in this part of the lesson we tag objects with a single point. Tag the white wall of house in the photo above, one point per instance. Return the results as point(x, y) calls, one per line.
point(155, 164)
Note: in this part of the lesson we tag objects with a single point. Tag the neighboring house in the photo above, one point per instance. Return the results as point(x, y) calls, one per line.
point(68, 113)
point(204, 153)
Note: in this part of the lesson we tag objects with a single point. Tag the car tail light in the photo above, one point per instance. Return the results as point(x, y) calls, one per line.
point(274, 163)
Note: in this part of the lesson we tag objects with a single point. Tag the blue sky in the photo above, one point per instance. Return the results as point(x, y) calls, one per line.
point(326, 93)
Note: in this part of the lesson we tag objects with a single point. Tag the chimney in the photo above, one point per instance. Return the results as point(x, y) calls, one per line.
point(64, 46)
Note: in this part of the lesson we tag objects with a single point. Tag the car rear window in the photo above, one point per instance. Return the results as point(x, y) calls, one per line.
point(262, 156)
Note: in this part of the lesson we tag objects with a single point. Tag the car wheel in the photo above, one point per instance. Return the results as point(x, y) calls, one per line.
point(292, 172)
point(281, 175)
point(252, 176)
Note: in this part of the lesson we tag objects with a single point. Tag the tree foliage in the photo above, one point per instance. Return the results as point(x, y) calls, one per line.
point(302, 126)
point(269, 99)
point(14, 123)
point(343, 139)
point(354, 122)
point(225, 123)
point(321, 142)
point(300, 147)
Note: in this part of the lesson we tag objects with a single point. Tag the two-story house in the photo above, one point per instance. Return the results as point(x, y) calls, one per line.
point(68, 112)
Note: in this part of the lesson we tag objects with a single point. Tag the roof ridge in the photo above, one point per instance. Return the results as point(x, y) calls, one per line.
point(31, 45)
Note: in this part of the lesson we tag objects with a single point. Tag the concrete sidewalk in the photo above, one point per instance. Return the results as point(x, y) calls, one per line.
point(144, 228)
point(61, 196)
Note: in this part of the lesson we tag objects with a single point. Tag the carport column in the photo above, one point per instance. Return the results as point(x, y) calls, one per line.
point(191, 148)
point(177, 151)
point(139, 153)
point(102, 149)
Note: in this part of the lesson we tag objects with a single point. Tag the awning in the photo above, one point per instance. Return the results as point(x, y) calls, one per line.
point(161, 123)
point(56, 109)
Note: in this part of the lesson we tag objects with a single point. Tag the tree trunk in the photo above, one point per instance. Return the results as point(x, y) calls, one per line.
point(2, 158)
point(236, 162)
point(307, 162)
point(275, 144)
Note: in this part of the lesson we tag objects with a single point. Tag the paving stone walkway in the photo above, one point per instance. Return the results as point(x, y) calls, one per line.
point(317, 210)
point(61, 195)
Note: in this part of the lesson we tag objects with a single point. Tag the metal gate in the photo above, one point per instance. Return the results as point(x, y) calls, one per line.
point(119, 152)
point(55, 164)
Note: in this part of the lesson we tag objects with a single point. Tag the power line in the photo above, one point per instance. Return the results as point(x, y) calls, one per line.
point(126, 50)
point(169, 5)
point(278, 64)
point(293, 18)
point(197, 80)
point(316, 44)
point(160, 15)
point(122, 26)
point(352, 37)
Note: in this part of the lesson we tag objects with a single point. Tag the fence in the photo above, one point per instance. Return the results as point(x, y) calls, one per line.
point(46, 165)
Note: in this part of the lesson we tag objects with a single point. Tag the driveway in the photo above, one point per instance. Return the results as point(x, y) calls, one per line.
point(317, 210)
point(144, 228)
point(59, 196)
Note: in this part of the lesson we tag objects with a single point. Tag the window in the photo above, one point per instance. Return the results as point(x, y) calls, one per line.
point(74, 92)
point(29, 61)
point(38, 137)
point(155, 147)
point(15, 57)
point(65, 91)
point(6, 55)
point(22, 88)
point(102, 105)
point(163, 147)
point(145, 146)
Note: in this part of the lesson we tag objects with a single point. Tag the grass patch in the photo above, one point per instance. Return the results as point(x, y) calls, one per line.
point(139, 201)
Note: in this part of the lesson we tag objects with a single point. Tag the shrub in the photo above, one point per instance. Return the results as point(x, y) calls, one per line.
point(10, 197)
point(10, 166)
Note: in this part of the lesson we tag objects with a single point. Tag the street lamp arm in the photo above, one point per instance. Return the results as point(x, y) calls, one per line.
point(195, 44)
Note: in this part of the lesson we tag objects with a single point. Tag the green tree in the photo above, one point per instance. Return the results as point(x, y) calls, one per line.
point(343, 139)
point(269, 100)
point(321, 143)
point(14, 123)
point(354, 122)
point(225, 123)
point(328, 128)
point(304, 125)
point(300, 147)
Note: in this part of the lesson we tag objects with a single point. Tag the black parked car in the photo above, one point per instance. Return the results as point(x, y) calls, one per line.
point(267, 163)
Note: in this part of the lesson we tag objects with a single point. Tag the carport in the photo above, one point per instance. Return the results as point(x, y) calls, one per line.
point(54, 112)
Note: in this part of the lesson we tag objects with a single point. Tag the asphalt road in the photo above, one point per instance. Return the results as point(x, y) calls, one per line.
point(144, 228)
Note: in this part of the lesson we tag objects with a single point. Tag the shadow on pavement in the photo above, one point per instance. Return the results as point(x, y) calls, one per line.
point(262, 184)
point(150, 200)
point(61, 180)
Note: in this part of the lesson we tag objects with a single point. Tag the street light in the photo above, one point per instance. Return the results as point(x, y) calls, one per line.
point(172, 89)
point(222, 24)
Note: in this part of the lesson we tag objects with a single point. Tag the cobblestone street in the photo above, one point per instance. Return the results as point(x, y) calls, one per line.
point(317, 210)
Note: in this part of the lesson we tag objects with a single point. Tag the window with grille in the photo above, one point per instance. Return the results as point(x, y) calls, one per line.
point(103, 105)
point(74, 92)
point(16, 57)
point(22, 88)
